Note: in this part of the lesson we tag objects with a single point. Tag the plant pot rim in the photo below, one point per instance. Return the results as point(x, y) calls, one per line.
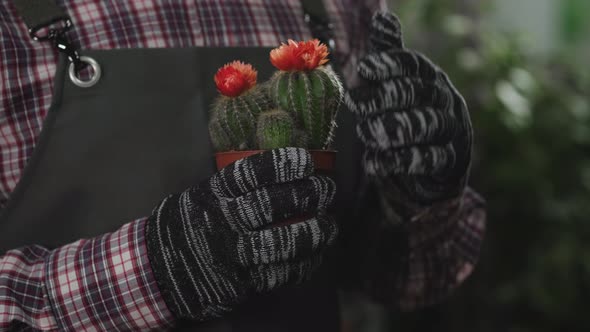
point(323, 159)
point(249, 151)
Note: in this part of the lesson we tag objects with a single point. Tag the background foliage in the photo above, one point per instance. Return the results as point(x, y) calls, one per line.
point(531, 112)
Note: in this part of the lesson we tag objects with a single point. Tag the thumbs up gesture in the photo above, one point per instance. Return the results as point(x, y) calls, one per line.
point(414, 124)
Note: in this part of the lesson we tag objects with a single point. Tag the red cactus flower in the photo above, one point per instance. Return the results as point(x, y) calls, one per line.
point(297, 56)
point(235, 78)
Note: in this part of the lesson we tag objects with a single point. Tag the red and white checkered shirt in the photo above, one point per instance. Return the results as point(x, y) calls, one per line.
point(106, 283)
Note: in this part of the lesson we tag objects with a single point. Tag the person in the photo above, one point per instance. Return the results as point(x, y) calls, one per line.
point(77, 160)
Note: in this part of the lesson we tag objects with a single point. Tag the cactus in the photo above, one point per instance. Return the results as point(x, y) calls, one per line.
point(300, 139)
point(219, 136)
point(312, 98)
point(232, 124)
point(275, 130)
point(306, 90)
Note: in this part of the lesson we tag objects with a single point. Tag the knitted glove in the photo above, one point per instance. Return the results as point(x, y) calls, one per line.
point(413, 122)
point(211, 246)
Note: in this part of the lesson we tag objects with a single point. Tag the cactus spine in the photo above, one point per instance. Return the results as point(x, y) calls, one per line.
point(275, 130)
point(312, 98)
point(232, 124)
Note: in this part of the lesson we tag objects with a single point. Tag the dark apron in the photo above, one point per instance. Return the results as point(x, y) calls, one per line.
point(109, 153)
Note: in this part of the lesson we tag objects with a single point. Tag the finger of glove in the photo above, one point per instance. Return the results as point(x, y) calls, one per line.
point(278, 202)
point(267, 277)
point(397, 94)
point(385, 32)
point(417, 160)
point(289, 242)
point(396, 63)
point(270, 167)
point(395, 130)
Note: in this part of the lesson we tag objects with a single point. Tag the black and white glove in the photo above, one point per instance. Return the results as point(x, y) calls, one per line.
point(413, 122)
point(211, 246)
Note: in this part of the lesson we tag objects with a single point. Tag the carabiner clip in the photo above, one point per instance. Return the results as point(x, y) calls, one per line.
point(66, 24)
point(57, 35)
point(65, 46)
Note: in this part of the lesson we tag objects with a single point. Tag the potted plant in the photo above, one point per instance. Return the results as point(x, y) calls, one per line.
point(297, 107)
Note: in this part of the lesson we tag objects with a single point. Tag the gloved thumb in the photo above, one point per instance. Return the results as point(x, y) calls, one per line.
point(385, 32)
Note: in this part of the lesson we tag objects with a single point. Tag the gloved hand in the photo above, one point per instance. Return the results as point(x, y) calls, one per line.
point(413, 122)
point(211, 246)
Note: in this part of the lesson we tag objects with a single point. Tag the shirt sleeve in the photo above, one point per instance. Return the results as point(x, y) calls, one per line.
point(99, 284)
point(444, 246)
point(424, 261)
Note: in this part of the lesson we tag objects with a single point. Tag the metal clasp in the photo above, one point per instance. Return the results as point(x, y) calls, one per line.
point(64, 23)
point(63, 45)
point(56, 32)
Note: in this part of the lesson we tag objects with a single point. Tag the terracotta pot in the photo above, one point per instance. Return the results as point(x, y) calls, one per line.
point(324, 160)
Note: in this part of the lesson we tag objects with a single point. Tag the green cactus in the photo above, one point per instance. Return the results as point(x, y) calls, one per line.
point(232, 124)
point(312, 98)
point(275, 130)
point(300, 139)
point(219, 136)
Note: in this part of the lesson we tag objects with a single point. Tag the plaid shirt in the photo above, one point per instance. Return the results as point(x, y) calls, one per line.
point(106, 283)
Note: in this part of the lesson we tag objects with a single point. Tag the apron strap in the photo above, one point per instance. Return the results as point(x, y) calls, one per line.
point(319, 24)
point(48, 22)
point(39, 14)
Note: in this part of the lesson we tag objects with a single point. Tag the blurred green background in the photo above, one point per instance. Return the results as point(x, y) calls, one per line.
point(524, 69)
